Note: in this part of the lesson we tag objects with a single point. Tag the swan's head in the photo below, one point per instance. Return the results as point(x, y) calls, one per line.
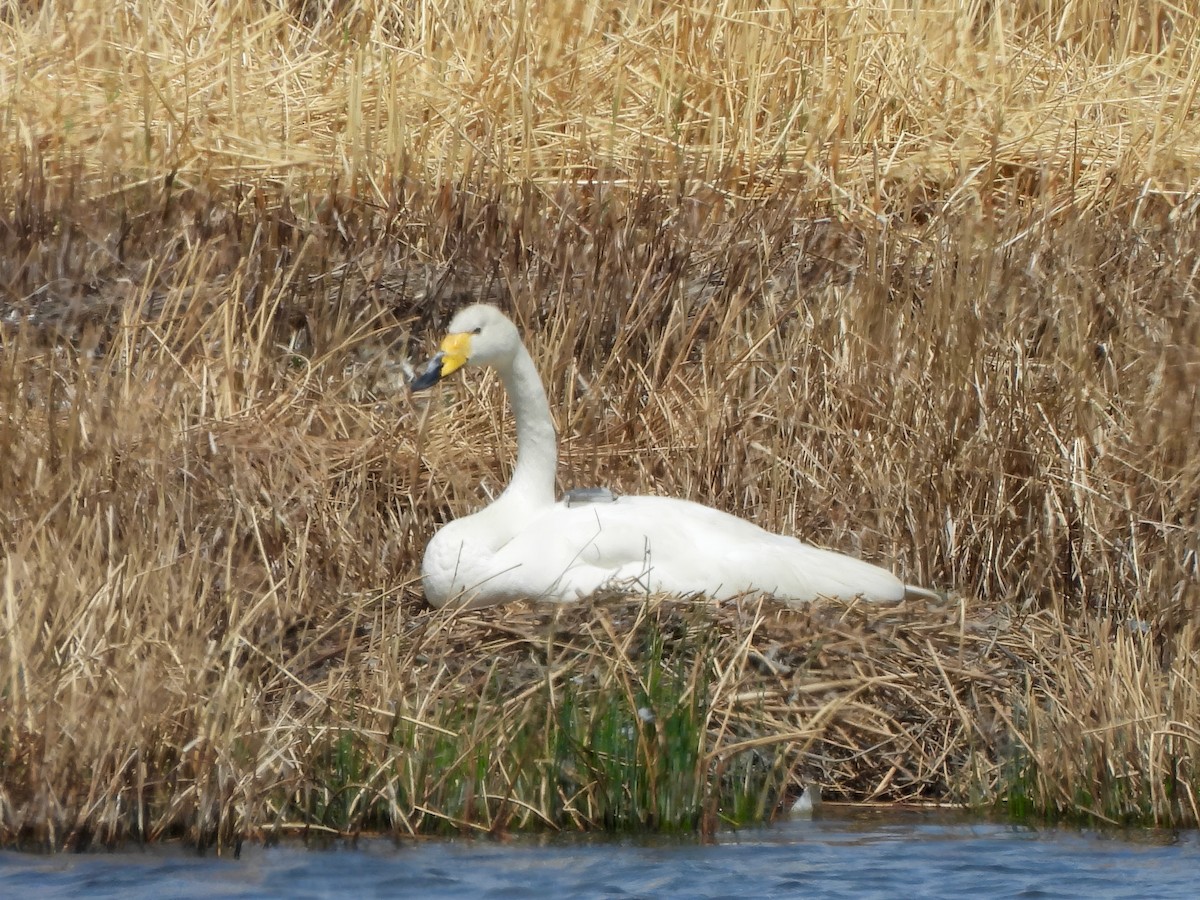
point(480, 335)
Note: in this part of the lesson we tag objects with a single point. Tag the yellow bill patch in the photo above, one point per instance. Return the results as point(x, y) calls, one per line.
point(456, 349)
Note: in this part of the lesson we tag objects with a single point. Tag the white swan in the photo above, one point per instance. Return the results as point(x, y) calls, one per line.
point(527, 545)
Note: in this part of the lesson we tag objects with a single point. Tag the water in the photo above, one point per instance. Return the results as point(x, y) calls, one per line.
point(830, 857)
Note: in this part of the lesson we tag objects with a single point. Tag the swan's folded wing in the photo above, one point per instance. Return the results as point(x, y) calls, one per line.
point(659, 544)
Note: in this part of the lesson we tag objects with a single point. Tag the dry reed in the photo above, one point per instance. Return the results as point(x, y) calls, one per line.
point(919, 285)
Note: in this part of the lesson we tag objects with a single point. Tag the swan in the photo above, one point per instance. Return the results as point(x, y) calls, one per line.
point(528, 545)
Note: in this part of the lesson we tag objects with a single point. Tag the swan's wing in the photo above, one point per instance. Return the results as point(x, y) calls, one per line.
point(673, 546)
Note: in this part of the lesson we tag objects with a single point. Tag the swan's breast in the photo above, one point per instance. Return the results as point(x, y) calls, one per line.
point(452, 563)
point(467, 561)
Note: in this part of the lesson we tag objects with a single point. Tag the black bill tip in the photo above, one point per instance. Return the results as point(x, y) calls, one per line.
point(429, 376)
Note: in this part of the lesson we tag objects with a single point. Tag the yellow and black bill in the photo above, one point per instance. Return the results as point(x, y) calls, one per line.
point(452, 356)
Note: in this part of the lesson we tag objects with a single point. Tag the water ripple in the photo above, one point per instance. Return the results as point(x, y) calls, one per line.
point(826, 858)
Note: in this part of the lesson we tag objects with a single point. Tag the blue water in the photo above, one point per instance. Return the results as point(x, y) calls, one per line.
point(860, 857)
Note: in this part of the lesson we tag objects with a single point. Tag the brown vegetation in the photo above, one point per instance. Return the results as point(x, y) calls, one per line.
point(917, 286)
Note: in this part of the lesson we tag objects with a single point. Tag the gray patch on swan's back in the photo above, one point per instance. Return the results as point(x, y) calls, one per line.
point(584, 496)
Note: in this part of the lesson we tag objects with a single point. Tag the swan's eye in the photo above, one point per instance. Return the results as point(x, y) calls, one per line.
point(478, 330)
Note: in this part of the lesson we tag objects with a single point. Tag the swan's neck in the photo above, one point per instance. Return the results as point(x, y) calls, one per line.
point(532, 481)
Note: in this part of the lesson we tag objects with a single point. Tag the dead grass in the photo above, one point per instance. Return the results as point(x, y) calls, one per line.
point(918, 287)
point(885, 104)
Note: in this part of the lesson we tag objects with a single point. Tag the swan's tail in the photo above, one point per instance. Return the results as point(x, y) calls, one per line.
point(912, 592)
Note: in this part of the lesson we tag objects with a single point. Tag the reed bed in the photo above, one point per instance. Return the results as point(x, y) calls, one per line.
point(918, 284)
